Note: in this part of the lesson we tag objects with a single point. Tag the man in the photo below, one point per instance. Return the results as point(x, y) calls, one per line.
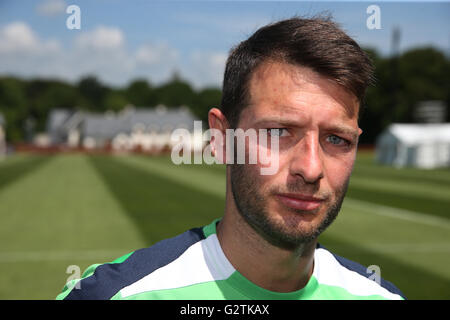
point(303, 80)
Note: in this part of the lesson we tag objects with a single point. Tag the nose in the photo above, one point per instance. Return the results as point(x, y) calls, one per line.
point(306, 161)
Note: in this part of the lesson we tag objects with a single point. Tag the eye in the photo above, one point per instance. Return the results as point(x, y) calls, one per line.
point(279, 132)
point(335, 140)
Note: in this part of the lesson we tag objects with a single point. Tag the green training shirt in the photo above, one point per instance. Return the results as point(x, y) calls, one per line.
point(193, 266)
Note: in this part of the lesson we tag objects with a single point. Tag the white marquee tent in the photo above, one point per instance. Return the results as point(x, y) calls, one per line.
point(415, 145)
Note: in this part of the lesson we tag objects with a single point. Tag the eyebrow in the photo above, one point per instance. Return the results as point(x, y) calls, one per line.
point(292, 123)
point(286, 122)
point(345, 130)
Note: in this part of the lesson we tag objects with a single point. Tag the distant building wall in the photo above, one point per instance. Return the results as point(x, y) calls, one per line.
point(147, 129)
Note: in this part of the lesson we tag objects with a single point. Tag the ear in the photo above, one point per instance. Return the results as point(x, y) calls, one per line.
point(218, 124)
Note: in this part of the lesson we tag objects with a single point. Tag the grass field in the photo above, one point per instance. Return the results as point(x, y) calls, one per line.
point(57, 211)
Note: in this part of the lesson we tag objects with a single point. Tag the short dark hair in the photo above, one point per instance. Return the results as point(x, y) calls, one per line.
point(317, 43)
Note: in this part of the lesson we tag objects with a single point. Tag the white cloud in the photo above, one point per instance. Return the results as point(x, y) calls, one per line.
point(156, 62)
point(206, 68)
point(51, 8)
point(101, 38)
point(103, 52)
point(23, 53)
point(17, 36)
point(151, 54)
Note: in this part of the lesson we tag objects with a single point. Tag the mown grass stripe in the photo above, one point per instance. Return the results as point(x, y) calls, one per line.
point(403, 214)
point(63, 206)
point(66, 201)
point(414, 282)
point(159, 207)
point(193, 176)
point(434, 177)
point(12, 170)
point(51, 255)
point(424, 190)
point(14, 158)
point(413, 248)
point(417, 203)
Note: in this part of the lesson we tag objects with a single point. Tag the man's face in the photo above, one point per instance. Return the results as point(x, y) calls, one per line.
point(316, 121)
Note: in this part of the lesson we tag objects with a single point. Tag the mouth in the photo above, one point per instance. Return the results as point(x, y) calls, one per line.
point(300, 201)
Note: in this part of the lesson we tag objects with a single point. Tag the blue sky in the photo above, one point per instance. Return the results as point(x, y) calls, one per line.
point(120, 40)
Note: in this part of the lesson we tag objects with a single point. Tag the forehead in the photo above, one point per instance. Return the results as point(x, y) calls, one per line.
point(277, 87)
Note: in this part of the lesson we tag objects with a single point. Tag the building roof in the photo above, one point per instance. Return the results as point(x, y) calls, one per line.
point(107, 125)
point(56, 119)
point(420, 133)
point(157, 119)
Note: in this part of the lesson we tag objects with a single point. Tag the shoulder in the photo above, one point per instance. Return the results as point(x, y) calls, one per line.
point(103, 281)
point(357, 279)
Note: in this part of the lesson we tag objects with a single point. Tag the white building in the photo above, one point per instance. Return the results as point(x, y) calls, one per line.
point(415, 145)
point(147, 129)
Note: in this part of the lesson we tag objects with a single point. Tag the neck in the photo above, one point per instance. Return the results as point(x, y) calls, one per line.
point(266, 265)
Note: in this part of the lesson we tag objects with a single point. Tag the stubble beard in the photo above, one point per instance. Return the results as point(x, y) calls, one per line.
point(251, 205)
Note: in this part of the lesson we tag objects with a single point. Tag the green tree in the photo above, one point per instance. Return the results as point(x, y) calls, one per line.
point(205, 100)
point(375, 113)
point(141, 94)
point(45, 95)
point(14, 106)
point(175, 93)
point(425, 75)
point(116, 100)
point(93, 93)
point(401, 83)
